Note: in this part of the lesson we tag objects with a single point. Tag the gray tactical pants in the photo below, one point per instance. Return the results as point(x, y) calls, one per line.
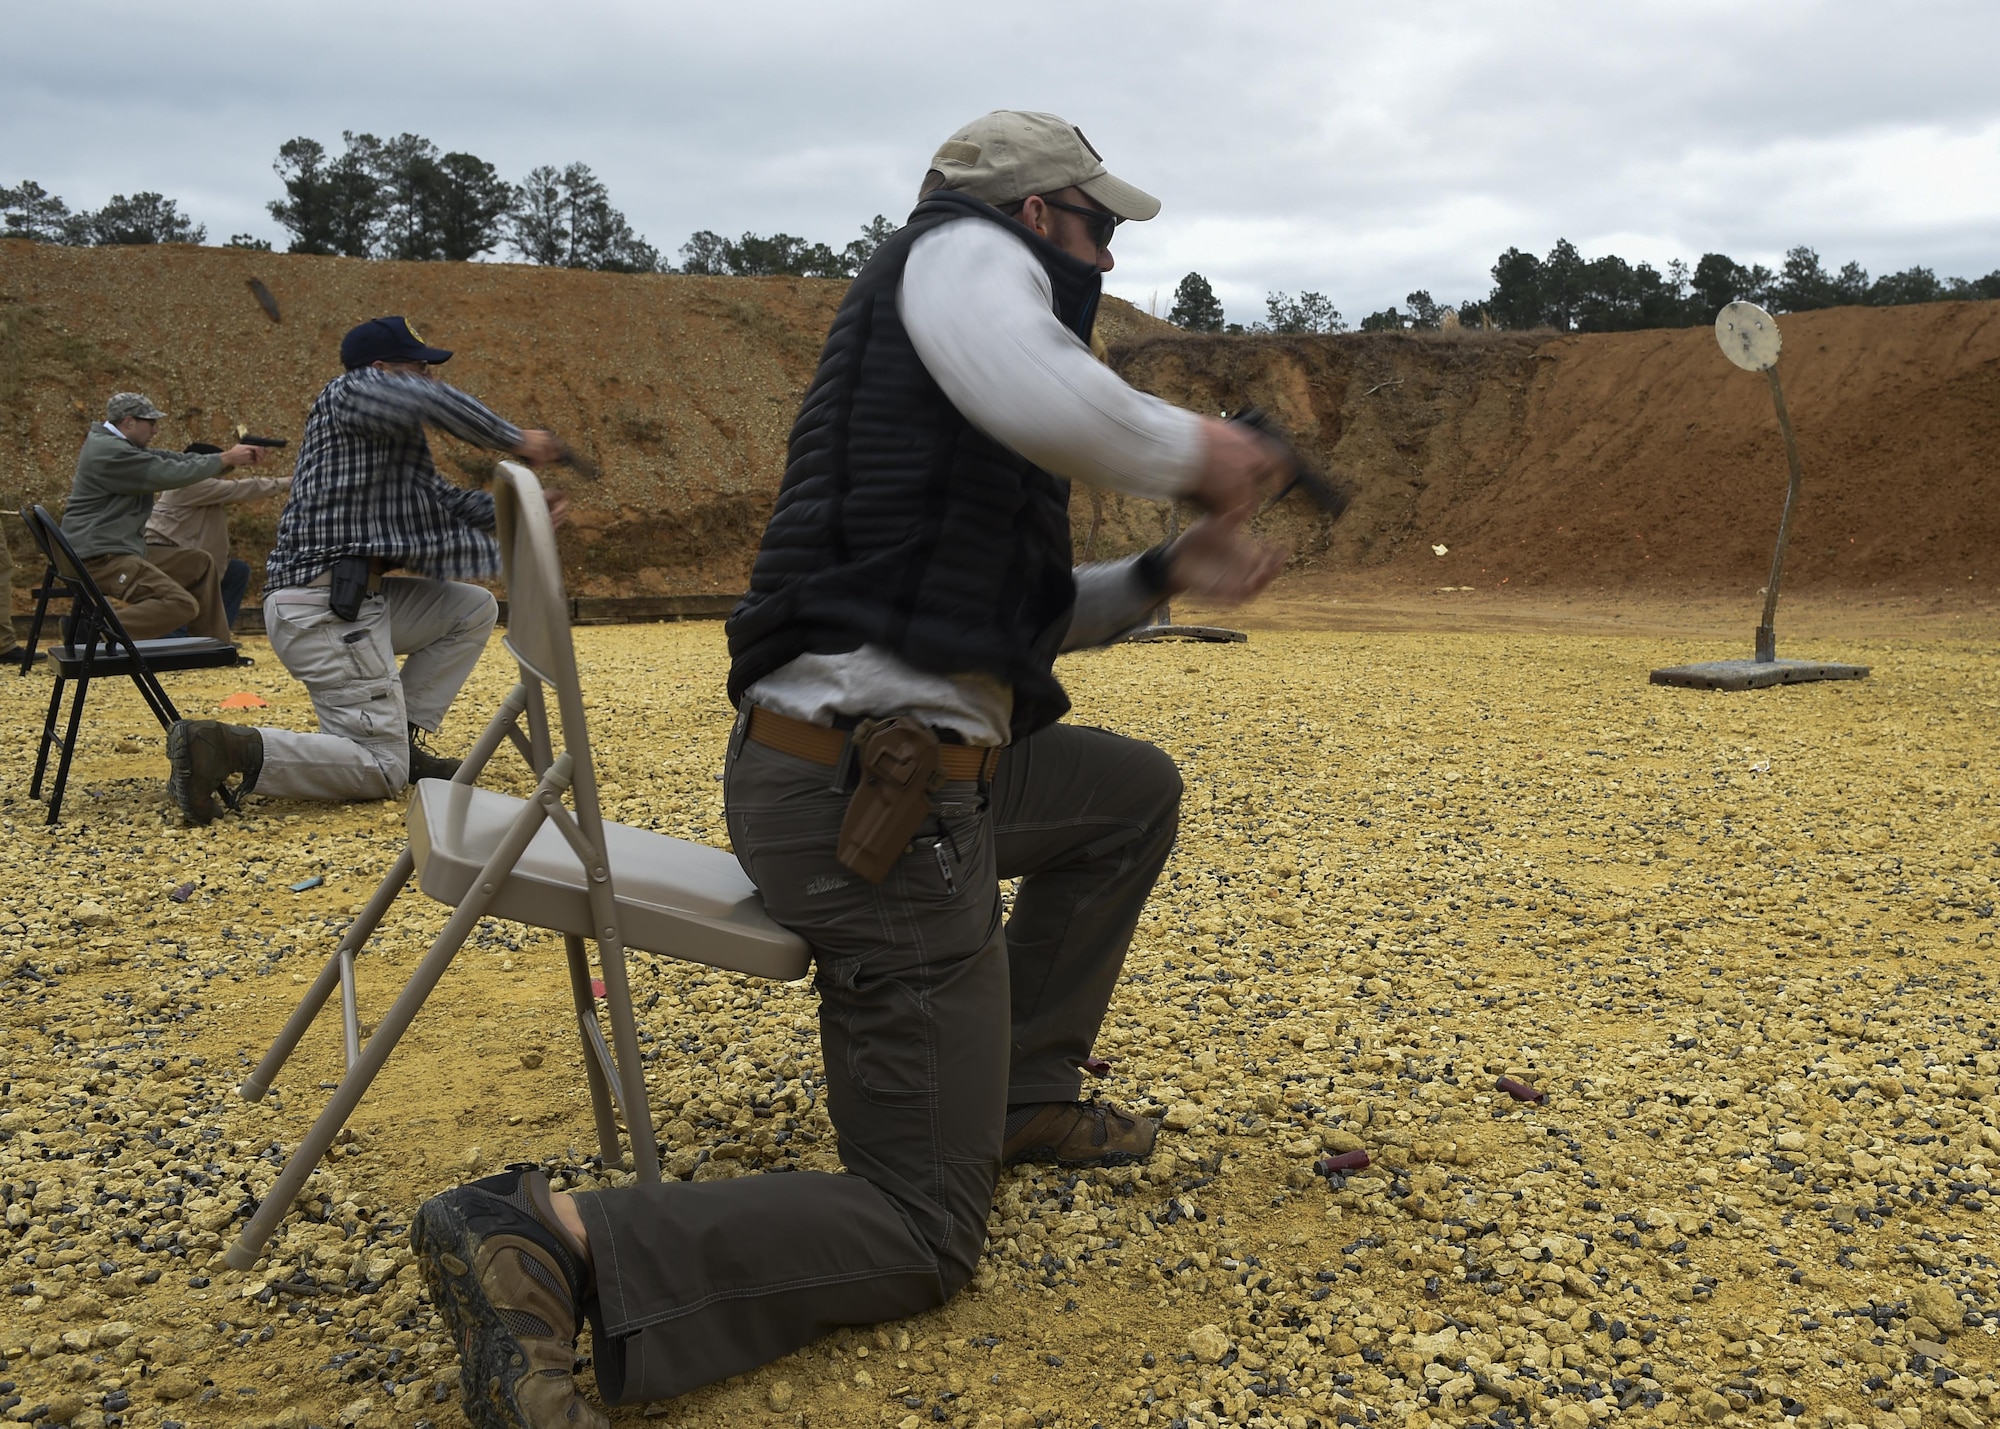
point(364, 703)
point(933, 1018)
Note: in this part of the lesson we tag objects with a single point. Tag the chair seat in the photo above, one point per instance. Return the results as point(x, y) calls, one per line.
point(182, 652)
point(685, 900)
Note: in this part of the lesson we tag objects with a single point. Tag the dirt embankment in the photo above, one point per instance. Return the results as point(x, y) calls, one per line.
point(1638, 462)
point(682, 389)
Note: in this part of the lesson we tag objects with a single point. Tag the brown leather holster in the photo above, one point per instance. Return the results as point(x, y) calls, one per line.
point(896, 761)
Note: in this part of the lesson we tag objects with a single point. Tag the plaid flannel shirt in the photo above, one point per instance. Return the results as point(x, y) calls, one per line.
point(365, 485)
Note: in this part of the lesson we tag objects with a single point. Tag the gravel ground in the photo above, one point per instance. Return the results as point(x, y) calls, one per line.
point(1742, 942)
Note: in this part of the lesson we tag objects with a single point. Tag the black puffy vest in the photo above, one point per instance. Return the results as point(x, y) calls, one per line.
point(899, 523)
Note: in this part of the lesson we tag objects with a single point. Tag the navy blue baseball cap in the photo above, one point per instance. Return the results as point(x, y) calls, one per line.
point(386, 340)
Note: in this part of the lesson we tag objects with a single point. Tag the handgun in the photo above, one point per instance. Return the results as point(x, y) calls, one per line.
point(576, 461)
point(1329, 495)
point(243, 435)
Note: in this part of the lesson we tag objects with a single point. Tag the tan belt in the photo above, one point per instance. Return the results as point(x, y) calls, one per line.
point(805, 740)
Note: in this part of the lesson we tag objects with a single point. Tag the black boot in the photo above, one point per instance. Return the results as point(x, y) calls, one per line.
point(426, 764)
point(202, 755)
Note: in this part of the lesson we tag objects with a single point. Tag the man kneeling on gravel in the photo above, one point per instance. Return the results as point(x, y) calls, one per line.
point(912, 592)
point(367, 500)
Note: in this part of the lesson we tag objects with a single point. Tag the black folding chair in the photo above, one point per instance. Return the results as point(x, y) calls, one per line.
point(95, 646)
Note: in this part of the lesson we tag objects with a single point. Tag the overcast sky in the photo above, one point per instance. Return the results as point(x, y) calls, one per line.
point(1360, 150)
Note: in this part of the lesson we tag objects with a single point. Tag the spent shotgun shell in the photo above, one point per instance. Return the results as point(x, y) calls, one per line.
point(1521, 1091)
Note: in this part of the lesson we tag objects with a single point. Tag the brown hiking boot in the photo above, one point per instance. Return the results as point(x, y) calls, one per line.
point(1080, 1134)
point(202, 756)
point(508, 1287)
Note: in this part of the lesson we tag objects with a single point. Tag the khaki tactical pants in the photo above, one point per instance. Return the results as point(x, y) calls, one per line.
point(933, 1018)
point(168, 587)
point(364, 703)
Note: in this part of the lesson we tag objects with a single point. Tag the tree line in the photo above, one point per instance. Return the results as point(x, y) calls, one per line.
point(1197, 309)
point(404, 198)
point(1570, 293)
point(31, 211)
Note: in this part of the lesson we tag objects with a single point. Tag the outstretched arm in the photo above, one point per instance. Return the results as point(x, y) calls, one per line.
point(396, 404)
point(217, 490)
point(1214, 559)
point(979, 310)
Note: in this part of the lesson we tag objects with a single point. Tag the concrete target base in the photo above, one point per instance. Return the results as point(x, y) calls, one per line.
point(1755, 674)
point(1214, 634)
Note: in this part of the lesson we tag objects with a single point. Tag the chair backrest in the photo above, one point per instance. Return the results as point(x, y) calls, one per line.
point(538, 635)
point(54, 546)
point(91, 607)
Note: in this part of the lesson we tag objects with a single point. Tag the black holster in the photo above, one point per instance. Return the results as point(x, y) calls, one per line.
point(348, 586)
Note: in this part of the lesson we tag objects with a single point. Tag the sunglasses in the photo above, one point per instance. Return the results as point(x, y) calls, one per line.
point(1102, 224)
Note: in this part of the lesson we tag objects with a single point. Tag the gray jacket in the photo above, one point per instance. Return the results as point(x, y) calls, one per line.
point(111, 495)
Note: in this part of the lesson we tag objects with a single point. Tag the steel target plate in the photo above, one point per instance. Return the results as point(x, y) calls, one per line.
point(1749, 336)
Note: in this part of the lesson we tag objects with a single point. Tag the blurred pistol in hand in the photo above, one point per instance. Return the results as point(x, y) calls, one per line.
point(1327, 494)
point(576, 461)
point(243, 435)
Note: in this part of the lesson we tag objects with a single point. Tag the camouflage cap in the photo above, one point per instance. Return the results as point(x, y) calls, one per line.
point(1009, 154)
point(131, 404)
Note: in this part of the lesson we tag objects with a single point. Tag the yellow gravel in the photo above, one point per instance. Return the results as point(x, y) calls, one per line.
point(1744, 942)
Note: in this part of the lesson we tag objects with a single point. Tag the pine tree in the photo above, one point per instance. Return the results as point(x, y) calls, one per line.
point(31, 211)
point(1307, 313)
point(874, 234)
point(143, 218)
point(1196, 307)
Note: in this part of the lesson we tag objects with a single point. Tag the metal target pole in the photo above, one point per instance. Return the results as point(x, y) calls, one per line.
point(1767, 635)
point(1750, 339)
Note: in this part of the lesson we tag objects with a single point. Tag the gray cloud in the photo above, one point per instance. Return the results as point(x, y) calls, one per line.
point(1326, 146)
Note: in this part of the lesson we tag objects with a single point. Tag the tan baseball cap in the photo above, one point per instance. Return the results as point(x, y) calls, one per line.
point(1009, 154)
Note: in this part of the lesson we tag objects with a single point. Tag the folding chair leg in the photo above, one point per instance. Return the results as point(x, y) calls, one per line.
point(625, 1037)
point(68, 749)
point(48, 738)
point(350, 1008)
point(505, 724)
point(628, 1069)
point(357, 933)
point(292, 1179)
point(351, 942)
point(593, 1066)
point(35, 625)
point(154, 693)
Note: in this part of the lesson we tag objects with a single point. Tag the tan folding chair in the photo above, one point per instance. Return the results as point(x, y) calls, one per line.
point(533, 861)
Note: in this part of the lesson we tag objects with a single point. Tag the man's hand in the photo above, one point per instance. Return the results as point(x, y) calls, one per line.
point(242, 455)
point(539, 447)
point(1238, 467)
point(1217, 560)
point(558, 506)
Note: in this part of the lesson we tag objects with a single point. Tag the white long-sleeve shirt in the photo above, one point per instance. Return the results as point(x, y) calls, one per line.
point(980, 312)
